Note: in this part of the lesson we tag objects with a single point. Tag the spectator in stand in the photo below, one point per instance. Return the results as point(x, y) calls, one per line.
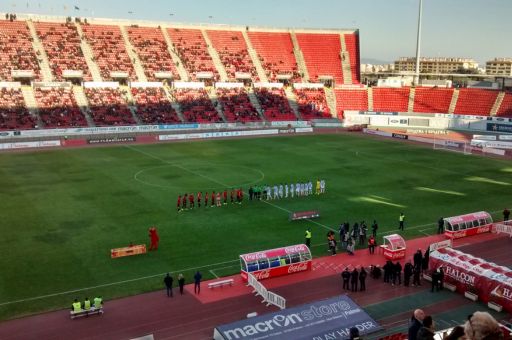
point(482, 326)
point(427, 331)
point(415, 324)
point(506, 214)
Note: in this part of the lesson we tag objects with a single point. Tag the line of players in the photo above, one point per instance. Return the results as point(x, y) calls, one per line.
point(190, 201)
point(299, 189)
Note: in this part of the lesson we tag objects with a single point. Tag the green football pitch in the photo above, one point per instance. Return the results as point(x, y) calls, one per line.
point(63, 210)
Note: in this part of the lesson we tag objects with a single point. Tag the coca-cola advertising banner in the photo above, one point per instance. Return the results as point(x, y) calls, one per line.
point(279, 271)
point(266, 254)
point(488, 280)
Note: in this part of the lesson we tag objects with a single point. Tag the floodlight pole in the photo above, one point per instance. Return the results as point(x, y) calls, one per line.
point(418, 46)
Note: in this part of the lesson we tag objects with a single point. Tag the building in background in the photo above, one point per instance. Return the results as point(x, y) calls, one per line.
point(499, 67)
point(437, 65)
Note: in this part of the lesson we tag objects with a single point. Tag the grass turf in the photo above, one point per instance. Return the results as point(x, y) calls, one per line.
point(64, 210)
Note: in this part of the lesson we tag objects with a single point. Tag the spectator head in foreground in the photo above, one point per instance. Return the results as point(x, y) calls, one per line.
point(419, 314)
point(482, 326)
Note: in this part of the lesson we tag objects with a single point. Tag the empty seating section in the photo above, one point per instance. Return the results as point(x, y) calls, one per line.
point(322, 54)
point(352, 46)
point(274, 104)
point(109, 50)
point(58, 108)
point(16, 51)
point(61, 43)
point(432, 100)
point(351, 100)
point(312, 104)
point(191, 47)
point(475, 102)
point(13, 113)
point(152, 50)
point(506, 106)
point(237, 106)
point(196, 106)
point(390, 99)
point(232, 50)
point(108, 107)
point(275, 50)
point(153, 107)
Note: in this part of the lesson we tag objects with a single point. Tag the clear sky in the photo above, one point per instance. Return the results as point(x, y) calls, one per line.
point(480, 29)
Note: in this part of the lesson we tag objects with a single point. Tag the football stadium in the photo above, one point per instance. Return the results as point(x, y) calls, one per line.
point(182, 180)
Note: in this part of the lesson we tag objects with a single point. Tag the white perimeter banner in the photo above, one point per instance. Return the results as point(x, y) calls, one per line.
point(206, 135)
point(28, 145)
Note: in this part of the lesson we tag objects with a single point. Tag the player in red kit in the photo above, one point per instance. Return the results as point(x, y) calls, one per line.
point(213, 198)
point(178, 204)
point(191, 201)
point(206, 195)
point(184, 202)
point(225, 196)
point(239, 196)
point(232, 196)
point(154, 238)
point(218, 199)
point(199, 199)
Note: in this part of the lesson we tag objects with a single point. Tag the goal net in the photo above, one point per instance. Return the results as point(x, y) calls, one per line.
point(451, 145)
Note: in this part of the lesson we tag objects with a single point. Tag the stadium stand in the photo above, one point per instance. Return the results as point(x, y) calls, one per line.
point(432, 100)
point(390, 99)
point(153, 107)
point(61, 43)
point(475, 101)
point(193, 51)
point(506, 106)
point(351, 100)
point(322, 55)
point(108, 107)
point(58, 108)
point(233, 52)
point(16, 51)
point(13, 113)
point(275, 50)
point(109, 50)
point(196, 106)
point(274, 104)
point(352, 45)
point(312, 104)
point(150, 45)
point(237, 106)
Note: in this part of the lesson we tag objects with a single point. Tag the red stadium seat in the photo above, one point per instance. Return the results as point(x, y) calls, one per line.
point(13, 113)
point(312, 104)
point(475, 101)
point(432, 100)
point(196, 106)
point(351, 100)
point(58, 108)
point(274, 104)
point(505, 109)
point(108, 107)
point(236, 105)
point(390, 99)
point(153, 107)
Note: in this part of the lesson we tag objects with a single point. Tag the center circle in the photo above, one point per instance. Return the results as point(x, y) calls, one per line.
point(197, 177)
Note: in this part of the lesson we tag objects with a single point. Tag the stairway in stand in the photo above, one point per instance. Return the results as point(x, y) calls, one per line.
point(130, 102)
point(83, 104)
point(177, 61)
point(89, 56)
point(42, 57)
point(292, 100)
point(410, 105)
point(216, 103)
point(370, 99)
point(453, 103)
point(215, 57)
point(175, 105)
point(301, 64)
point(331, 101)
point(255, 102)
point(345, 61)
point(497, 103)
point(255, 58)
point(137, 66)
point(31, 103)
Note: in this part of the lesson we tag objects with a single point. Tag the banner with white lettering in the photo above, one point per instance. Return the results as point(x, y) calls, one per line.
point(320, 320)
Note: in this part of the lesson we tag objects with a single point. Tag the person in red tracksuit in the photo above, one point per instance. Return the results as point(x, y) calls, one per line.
point(154, 238)
point(225, 196)
point(199, 194)
point(191, 201)
point(178, 204)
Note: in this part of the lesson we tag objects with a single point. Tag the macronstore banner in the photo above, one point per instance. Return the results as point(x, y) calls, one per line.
point(468, 273)
point(326, 319)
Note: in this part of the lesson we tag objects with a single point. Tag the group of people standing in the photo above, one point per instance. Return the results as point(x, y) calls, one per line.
point(354, 277)
point(191, 201)
point(281, 191)
point(168, 282)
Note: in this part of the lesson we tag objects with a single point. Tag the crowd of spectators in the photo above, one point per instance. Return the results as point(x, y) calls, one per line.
point(192, 49)
point(62, 45)
point(151, 48)
point(108, 107)
point(58, 108)
point(109, 50)
point(196, 106)
point(153, 107)
point(312, 103)
point(13, 112)
point(16, 50)
point(236, 105)
point(274, 104)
